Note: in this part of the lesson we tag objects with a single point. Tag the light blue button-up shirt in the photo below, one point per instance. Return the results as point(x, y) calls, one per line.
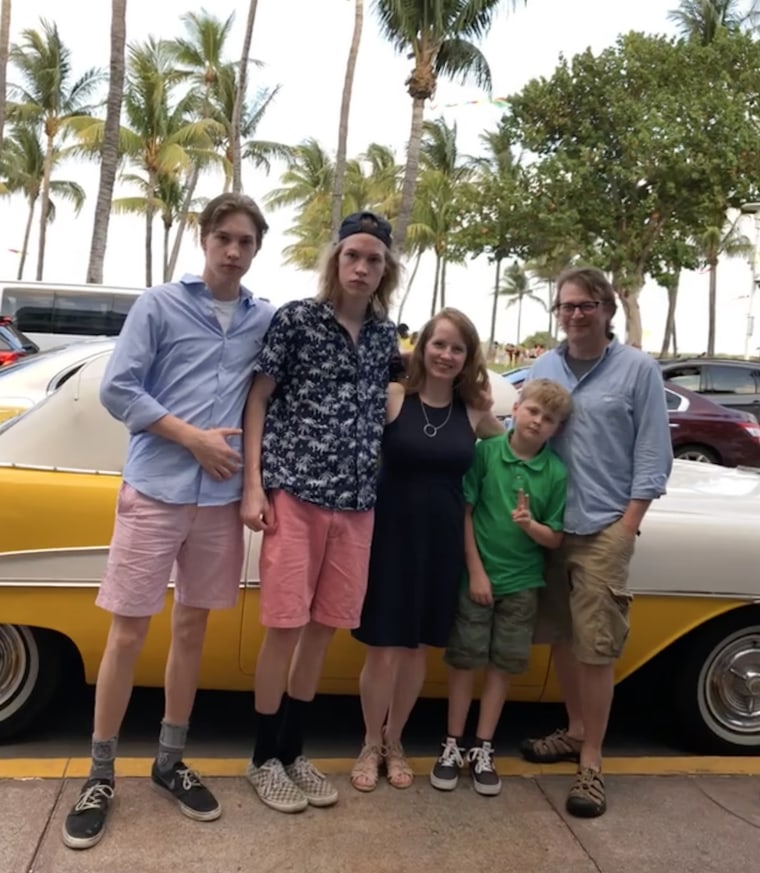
point(616, 444)
point(173, 357)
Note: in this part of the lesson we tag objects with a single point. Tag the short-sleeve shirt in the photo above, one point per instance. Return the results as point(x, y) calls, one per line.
point(512, 560)
point(325, 419)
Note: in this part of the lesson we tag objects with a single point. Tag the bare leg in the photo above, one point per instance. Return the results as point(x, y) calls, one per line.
point(184, 662)
point(597, 691)
point(376, 686)
point(272, 667)
point(116, 674)
point(492, 702)
point(409, 678)
point(460, 697)
point(568, 674)
point(306, 667)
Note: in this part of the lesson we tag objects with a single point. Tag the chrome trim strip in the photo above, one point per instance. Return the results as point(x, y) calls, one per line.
point(71, 583)
point(708, 595)
point(45, 469)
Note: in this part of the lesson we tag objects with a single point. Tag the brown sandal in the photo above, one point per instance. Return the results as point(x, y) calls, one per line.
point(555, 747)
point(587, 798)
point(366, 770)
point(398, 771)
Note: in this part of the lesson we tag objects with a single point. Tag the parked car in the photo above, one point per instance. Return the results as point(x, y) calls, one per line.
point(695, 619)
point(13, 344)
point(701, 430)
point(27, 381)
point(731, 383)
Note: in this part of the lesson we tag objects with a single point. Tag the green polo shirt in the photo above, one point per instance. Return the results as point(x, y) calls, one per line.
point(512, 560)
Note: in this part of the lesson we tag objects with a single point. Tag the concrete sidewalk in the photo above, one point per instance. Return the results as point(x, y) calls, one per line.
point(654, 824)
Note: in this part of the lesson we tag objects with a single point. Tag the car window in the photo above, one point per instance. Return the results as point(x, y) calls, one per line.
point(7, 339)
point(730, 380)
point(674, 401)
point(689, 377)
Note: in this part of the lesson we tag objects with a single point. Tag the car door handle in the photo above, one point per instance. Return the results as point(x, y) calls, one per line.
point(673, 424)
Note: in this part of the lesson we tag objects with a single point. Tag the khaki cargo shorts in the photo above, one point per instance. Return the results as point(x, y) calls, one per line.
point(586, 599)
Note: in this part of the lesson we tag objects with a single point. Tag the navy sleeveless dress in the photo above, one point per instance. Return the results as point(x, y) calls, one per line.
point(417, 558)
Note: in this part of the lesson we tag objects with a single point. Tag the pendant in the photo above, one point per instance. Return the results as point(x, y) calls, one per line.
point(430, 430)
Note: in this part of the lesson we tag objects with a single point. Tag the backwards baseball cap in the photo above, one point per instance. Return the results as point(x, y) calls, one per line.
point(366, 222)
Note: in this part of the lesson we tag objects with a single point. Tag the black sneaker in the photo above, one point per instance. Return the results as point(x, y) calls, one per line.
point(184, 785)
point(86, 823)
point(445, 773)
point(485, 779)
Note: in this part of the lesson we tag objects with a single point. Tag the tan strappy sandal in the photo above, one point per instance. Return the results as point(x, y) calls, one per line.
point(366, 770)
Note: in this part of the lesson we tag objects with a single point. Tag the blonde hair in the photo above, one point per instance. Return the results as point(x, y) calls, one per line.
point(554, 398)
point(473, 379)
point(329, 285)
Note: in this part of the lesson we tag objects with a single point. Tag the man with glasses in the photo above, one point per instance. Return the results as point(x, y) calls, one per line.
point(616, 446)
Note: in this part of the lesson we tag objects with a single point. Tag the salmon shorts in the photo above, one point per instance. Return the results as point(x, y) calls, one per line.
point(149, 537)
point(586, 599)
point(314, 564)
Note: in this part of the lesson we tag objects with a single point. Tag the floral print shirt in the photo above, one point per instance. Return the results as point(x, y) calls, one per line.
point(325, 419)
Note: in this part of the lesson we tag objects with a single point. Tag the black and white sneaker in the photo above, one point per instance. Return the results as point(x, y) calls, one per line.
point(485, 779)
point(184, 785)
point(445, 773)
point(85, 824)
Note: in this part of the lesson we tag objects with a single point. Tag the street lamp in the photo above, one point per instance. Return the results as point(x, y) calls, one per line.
point(752, 209)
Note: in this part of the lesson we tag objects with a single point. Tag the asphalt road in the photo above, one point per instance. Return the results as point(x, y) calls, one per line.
point(222, 726)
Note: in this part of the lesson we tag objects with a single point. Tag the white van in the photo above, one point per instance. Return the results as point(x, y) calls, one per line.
point(54, 315)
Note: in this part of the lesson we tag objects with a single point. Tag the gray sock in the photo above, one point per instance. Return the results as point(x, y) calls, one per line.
point(171, 745)
point(103, 756)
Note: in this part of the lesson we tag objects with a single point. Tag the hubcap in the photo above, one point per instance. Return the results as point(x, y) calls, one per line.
point(14, 662)
point(699, 457)
point(732, 685)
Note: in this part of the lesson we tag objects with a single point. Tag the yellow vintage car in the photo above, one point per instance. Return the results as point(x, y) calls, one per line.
point(696, 575)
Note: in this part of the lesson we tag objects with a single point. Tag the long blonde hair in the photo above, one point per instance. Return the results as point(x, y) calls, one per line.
point(330, 288)
point(473, 379)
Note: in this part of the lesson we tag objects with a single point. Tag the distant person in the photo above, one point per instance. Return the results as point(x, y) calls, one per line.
point(417, 556)
point(618, 453)
point(313, 429)
point(404, 340)
point(178, 379)
point(515, 500)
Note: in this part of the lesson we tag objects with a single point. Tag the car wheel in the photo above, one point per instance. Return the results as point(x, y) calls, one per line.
point(29, 675)
point(718, 689)
point(701, 454)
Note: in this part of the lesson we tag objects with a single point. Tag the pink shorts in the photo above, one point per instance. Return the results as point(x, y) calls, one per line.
point(314, 564)
point(149, 536)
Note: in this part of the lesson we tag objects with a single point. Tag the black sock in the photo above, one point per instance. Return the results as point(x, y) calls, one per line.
point(291, 732)
point(267, 731)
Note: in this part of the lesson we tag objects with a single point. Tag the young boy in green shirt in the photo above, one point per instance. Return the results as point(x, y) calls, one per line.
point(515, 493)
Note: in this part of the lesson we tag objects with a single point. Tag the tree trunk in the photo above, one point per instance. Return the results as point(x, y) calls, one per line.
point(5, 38)
point(150, 211)
point(409, 285)
point(27, 233)
point(519, 318)
point(345, 108)
point(550, 286)
point(436, 280)
point(711, 305)
point(167, 231)
point(410, 173)
point(443, 282)
point(670, 321)
point(494, 308)
point(44, 206)
point(109, 158)
point(237, 109)
point(629, 298)
point(192, 182)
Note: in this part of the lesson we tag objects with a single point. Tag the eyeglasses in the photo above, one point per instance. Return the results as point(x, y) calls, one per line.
point(586, 308)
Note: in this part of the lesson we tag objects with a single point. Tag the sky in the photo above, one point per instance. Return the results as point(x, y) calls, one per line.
point(308, 61)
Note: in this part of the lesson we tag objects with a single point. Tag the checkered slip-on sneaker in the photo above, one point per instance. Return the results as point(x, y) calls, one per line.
point(274, 787)
point(313, 785)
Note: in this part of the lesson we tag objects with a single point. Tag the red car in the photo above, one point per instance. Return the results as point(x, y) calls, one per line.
point(13, 343)
point(701, 430)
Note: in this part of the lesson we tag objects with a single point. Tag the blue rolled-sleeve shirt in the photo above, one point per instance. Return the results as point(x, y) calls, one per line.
point(616, 444)
point(173, 357)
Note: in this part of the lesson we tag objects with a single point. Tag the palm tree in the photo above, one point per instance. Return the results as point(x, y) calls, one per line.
point(5, 37)
point(345, 108)
point(240, 94)
point(437, 35)
point(109, 156)
point(516, 286)
point(714, 242)
point(48, 96)
point(23, 165)
point(702, 20)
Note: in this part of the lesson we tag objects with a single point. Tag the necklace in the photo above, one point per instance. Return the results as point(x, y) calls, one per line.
point(431, 430)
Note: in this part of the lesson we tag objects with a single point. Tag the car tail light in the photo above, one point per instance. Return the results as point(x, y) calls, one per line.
point(9, 357)
point(752, 428)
